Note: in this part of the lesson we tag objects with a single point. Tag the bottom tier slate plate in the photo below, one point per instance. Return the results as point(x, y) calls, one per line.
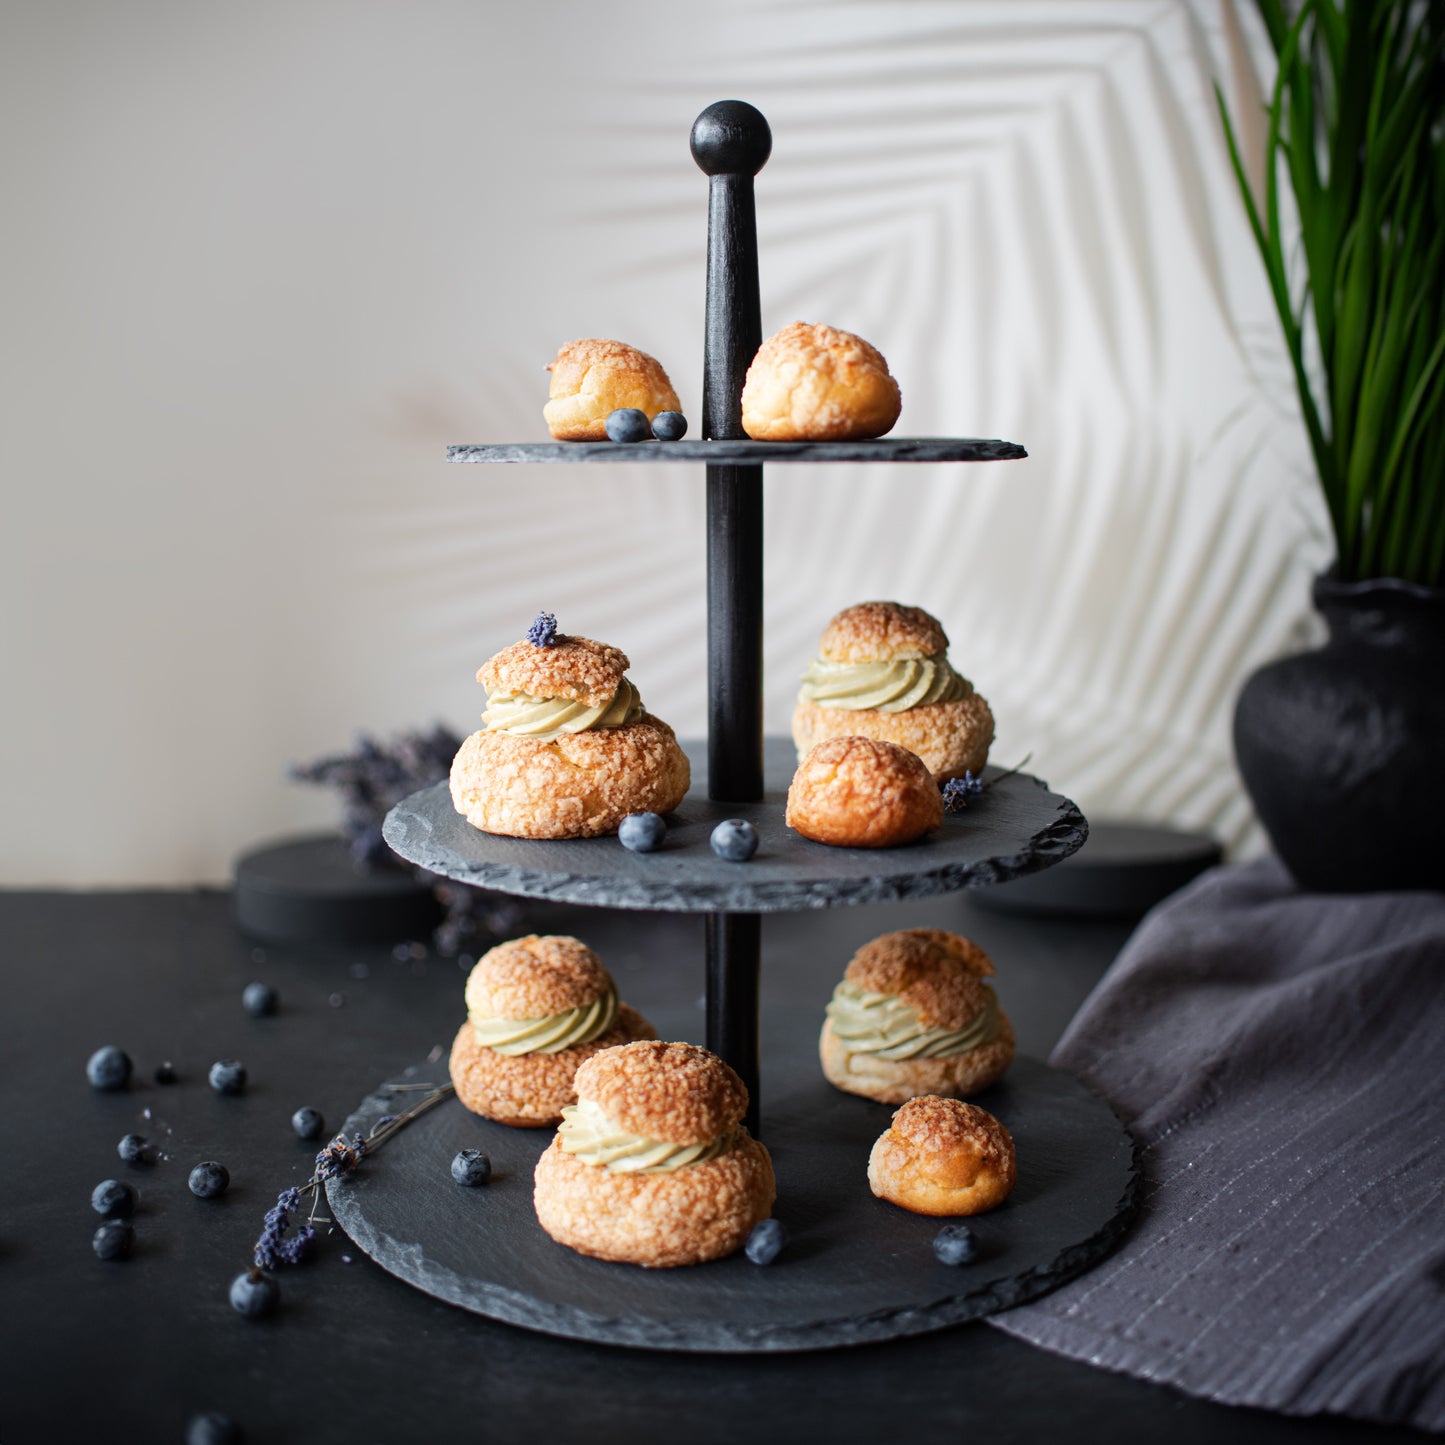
point(855, 1270)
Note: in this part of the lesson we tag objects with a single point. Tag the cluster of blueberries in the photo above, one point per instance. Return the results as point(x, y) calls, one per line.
point(630, 424)
point(734, 839)
point(109, 1069)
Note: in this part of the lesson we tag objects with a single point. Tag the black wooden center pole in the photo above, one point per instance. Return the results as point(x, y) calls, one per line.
point(731, 142)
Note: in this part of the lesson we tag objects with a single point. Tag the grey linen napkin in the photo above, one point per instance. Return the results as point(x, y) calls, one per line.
point(1280, 1058)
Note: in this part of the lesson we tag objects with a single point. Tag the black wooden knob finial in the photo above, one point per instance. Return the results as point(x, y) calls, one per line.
point(731, 137)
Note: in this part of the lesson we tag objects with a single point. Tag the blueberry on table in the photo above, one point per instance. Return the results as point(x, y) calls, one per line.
point(228, 1076)
point(765, 1241)
point(212, 1428)
point(259, 1000)
point(736, 840)
point(254, 1294)
point(108, 1069)
point(471, 1167)
point(137, 1149)
point(628, 424)
point(113, 1197)
point(308, 1123)
point(209, 1180)
point(955, 1244)
point(166, 1073)
point(113, 1240)
point(642, 832)
point(669, 426)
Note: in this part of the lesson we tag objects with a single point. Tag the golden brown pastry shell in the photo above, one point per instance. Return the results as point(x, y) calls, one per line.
point(580, 668)
point(817, 383)
point(882, 632)
point(943, 1157)
point(858, 792)
point(660, 1221)
point(535, 976)
point(592, 377)
point(580, 786)
point(528, 1091)
point(952, 738)
point(677, 1093)
point(892, 1081)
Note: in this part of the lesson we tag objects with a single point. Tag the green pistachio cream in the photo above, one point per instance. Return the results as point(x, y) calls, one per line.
point(547, 718)
point(549, 1034)
point(592, 1137)
point(887, 686)
point(882, 1024)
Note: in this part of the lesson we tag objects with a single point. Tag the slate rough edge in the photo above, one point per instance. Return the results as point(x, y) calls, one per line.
point(568, 1322)
point(408, 828)
point(885, 449)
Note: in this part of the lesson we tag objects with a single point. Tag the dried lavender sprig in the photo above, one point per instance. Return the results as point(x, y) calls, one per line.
point(340, 1156)
point(543, 631)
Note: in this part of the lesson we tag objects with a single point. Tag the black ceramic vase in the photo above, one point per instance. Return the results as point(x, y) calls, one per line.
point(1343, 749)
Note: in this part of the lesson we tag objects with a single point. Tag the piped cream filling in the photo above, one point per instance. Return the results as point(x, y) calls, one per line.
point(882, 1024)
point(550, 1034)
point(589, 1135)
point(885, 686)
point(547, 718)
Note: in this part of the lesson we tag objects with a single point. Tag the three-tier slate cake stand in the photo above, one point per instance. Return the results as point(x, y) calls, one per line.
point(858, 1269)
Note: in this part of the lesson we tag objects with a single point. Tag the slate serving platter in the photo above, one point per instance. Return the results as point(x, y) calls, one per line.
point(856, 1269)
point(1014, 827)
point(741, 452)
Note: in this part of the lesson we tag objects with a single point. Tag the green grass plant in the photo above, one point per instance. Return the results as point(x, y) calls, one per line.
point(1356, 123)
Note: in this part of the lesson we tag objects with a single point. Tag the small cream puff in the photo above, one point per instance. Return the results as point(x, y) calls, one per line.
point(653, 1165)
point(882, 671)
point(943, 1157)
point(591, 378)
point(853, 792)
point(913, 1015)
point(537, 1008)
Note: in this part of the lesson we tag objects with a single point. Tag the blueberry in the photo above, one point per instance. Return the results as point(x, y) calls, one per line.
point(955, 1244)
point(228, 1076)
point(765, 1241)
point(108, 1068)
point(642, 832)
point(669, 426)
point(735, 839)
point(471, 1167)
point(212, 1428)
point(137, 1149)
point(166, 1073)
point(254, 1294)
point(628, 424)
point(209, 1179)
point(113, 1240)
point(308, 1123)
point(259, 1000)
point(114, 1198)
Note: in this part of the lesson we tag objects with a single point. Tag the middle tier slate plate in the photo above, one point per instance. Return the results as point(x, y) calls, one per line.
point(1014, 827)
point(856, 1269)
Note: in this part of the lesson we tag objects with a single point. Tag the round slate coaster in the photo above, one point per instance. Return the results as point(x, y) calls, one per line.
point(741, 453)
point(855, 1269)
point(1015, 826)
point(309, 889)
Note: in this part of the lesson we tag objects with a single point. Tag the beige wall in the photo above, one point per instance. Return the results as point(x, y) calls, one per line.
point(262, 262)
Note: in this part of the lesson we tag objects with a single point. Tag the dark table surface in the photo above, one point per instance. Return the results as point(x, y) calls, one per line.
point(126, 1352)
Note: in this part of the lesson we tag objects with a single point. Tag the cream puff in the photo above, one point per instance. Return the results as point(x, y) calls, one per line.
point(882, 671)
point(653, 1165)
point(817, 384)
point(943, 1157)
point(853, 792)
point(591, 378)
point(914, 1015)
point(567, 749)
point(537, 1008)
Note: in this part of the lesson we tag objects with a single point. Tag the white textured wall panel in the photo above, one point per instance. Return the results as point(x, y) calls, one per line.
point(265, 263)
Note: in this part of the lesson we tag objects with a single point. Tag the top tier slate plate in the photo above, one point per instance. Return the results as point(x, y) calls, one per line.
point(748, 453)
point(1014, 827)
